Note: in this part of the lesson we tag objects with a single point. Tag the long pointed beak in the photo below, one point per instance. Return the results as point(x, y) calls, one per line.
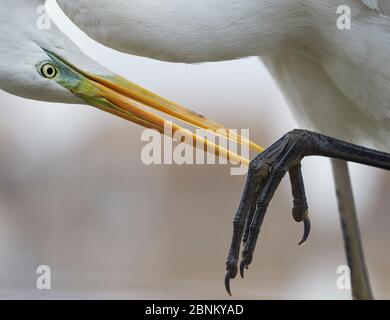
point(132, 102)
point(148, 98)
point(120, 97)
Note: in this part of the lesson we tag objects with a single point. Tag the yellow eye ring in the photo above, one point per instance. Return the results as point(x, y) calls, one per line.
point(48, 70)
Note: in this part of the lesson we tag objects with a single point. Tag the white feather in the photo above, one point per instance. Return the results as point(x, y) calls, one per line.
point(336, 81)
point(22, 40)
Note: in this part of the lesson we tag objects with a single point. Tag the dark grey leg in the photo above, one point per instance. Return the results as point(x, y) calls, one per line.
point(264, 176)
point(361, 288)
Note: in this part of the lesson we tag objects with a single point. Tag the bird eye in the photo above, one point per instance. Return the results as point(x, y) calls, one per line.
point(48, 70)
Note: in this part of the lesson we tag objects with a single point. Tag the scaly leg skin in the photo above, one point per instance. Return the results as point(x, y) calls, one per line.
point(264, 176)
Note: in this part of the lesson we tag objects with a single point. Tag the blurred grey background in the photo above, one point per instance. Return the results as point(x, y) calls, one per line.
point(75, 195)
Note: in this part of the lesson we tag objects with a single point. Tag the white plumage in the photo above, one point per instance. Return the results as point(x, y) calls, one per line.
point(21, 43)
point(336, 81)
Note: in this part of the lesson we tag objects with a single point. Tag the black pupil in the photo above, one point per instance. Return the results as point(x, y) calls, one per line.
point(50, 71)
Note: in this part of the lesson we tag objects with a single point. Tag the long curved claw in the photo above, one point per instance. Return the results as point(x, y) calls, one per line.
point(300, 209)
point(243, 266)
point(306, 229)
point(227, 282)
point(231, 273)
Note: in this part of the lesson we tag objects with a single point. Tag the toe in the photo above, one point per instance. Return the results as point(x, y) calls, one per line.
point(306, 229)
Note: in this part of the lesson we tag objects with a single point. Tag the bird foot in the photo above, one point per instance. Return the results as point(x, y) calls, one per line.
point(264, 176)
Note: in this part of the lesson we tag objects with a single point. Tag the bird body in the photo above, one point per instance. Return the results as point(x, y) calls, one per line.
point(336, 81)
point(340, 88)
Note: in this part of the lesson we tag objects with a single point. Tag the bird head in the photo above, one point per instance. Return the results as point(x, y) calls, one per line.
point(46, 65)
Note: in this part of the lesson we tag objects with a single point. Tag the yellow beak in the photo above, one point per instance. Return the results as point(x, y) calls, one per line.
point(131, 102)
point(127, 100)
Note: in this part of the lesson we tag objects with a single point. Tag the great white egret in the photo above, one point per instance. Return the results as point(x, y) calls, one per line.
point(336, 81)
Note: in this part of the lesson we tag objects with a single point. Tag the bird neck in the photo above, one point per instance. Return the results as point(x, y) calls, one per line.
point(211, 30)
